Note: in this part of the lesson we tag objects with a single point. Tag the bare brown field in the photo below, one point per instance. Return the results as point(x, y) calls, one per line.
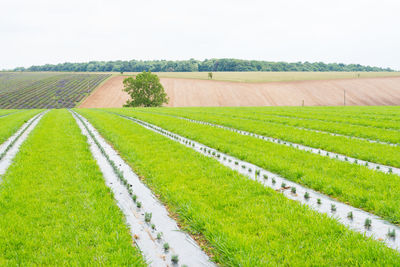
point(194, 92)
point(107, 95)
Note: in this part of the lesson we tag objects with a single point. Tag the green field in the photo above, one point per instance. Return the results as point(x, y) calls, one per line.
point(56, 208)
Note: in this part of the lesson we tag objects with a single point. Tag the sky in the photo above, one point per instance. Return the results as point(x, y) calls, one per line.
point(348, 31)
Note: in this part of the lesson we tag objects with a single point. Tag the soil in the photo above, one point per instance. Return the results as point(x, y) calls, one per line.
point(192, 92)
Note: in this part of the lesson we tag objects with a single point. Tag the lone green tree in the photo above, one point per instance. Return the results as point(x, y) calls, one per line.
point(145, 91)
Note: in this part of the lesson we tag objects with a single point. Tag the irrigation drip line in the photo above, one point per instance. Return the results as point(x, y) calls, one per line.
point(333, 155)
point(353, 218)
point(149, 222)
point(10, 148)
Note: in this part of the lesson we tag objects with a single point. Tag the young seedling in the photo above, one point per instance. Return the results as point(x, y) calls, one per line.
point(333, 207)
point(273, 181)
point(390, 170)
point(236, 163)
point(265, 177)
point(391, 233)
point(346, 159)
point(166, 246)
point(147, 216)
point(139, 204)
point(153, 226)
point(224, 158)
point(257, 172)
point(243, 166)
point(366, 164)
point(159, 235)
point(283, 185)
point(229, 160)
point(367, 223)
point(377, 167)
point(134, 197)
point(350, 215)
point(293, 190)
point(249, 169)
point(174, 259)
point(319, 202)
point(307, 195)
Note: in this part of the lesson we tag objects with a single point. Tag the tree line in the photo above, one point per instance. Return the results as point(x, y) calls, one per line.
point(192, 65)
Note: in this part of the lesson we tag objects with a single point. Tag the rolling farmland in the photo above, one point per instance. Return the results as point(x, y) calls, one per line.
point(255, 186)
point(46, 90)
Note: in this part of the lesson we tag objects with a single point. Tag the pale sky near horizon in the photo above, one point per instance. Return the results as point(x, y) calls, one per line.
point(52, 31)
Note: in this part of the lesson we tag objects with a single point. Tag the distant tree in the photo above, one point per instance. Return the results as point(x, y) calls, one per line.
point(145, 91)
point(210, 75)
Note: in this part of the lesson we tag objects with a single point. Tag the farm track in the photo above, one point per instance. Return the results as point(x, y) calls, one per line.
point(321, 152)
point(10, 148)
point(125, 184)
point(329, 206)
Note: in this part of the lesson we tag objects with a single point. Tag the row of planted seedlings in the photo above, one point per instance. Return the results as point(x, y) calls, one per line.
point(386, 157)
point(146, 216)
point(4, 148)
point(10, 148)
point(241, 115)
point(371, 165)
point(355, 219)
point(378, 134)
point(343, 181)
point(43, 93)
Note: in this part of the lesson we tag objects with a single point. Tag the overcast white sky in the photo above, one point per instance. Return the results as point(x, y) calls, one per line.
point(53, 31)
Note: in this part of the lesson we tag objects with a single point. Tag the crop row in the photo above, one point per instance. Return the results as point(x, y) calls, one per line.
point(55, 207)
point(58, 91)
point(242, 222)
point(368, 122)
point(354, 184)
point(356, 148)
point(379, 134)
point(11, 123)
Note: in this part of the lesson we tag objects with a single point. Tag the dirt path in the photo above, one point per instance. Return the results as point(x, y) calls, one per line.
point(191, 92)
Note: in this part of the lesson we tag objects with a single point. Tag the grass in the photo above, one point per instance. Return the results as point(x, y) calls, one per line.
point(359, 186)
point(239, 221)
point(55, 207)
point(11, 123)
point(246, 119)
